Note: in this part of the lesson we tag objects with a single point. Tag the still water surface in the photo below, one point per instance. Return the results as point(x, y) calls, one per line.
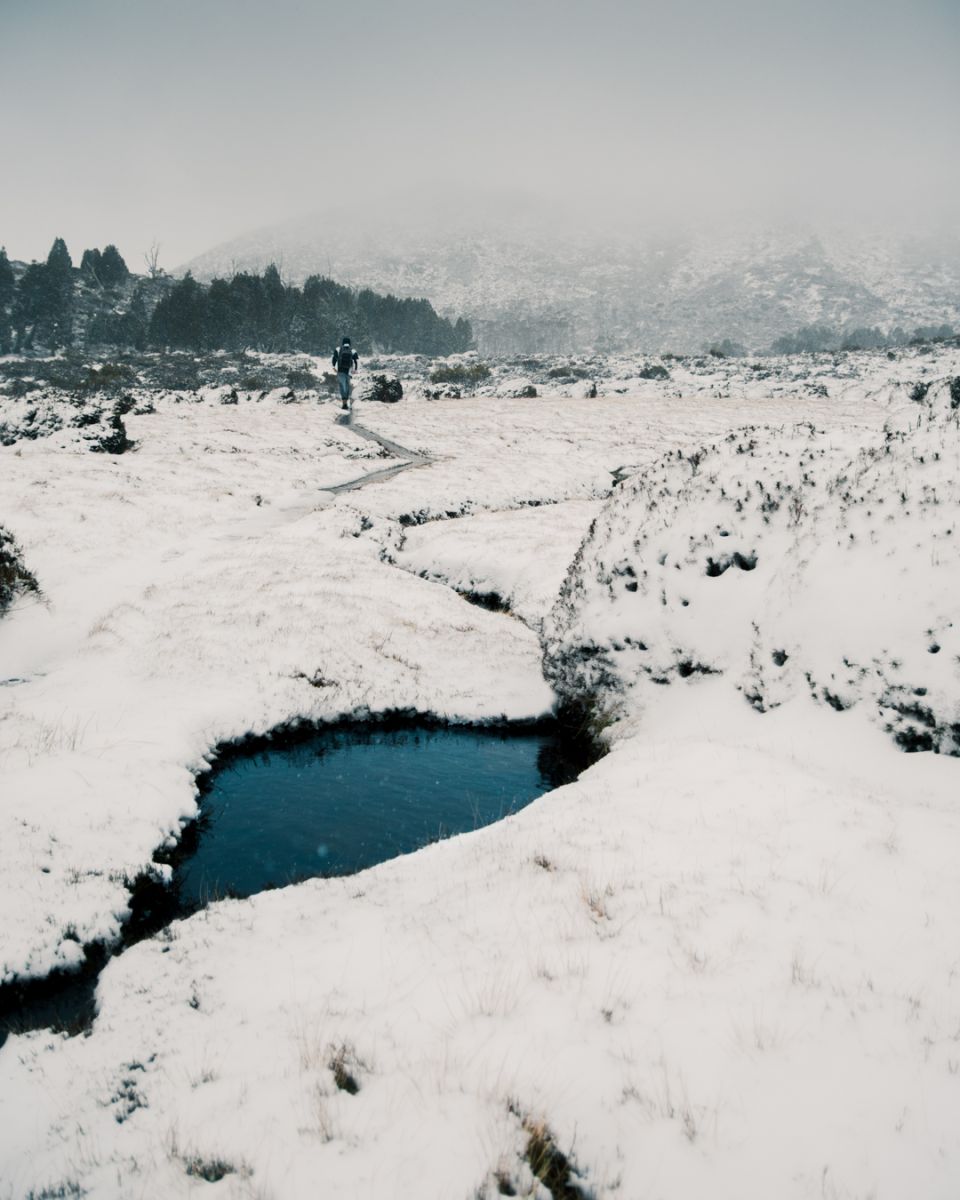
point(347, 799)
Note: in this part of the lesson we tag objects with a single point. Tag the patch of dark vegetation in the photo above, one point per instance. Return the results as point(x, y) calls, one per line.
point(955, 392)
point(912, 739)
point(835, 701)
point(919, 391)
point(919, 713)
point(654, 371)
point(687, 667)
point(68, 1190)
point(918, 727)
point(210, 1170)
point(717, 566)
point(15, 579)
point(491, 601)
point(583, 724)
point(779, 657)
point(343, 1064)
point(127, 1099)
point(549, 1164)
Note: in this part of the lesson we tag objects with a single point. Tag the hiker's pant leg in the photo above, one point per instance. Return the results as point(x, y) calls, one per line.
point(344, 380)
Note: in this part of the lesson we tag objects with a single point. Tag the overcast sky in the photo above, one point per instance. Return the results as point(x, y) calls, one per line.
point(191, 121)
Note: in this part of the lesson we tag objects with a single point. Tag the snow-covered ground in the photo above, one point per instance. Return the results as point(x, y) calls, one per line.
point(726, 961)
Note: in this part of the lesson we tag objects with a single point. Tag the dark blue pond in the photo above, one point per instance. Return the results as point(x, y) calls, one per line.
point(328, 804)
point(346, 799)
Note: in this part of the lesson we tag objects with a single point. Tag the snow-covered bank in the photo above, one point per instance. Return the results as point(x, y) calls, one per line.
point(724, 961)
point(195, 591)
point(787, 559)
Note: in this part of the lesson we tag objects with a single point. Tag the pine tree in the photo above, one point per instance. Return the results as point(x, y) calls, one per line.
point(113, 270)
point(90, 265)
point(274, 302)
point(180, 317)
point(8, 291)
point(28, 305)
point(56, 318)
point(135, 323)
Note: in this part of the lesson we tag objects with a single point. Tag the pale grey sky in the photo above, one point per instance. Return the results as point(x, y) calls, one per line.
point(191, 121)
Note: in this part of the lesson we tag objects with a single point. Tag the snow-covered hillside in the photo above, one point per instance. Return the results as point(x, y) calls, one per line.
point(723, 962)
point(529, 285)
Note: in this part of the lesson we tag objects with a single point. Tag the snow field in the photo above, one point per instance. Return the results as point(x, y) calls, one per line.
point(724, 965)
point(724, 962)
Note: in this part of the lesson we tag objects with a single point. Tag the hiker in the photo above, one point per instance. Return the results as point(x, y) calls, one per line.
point(345, 360)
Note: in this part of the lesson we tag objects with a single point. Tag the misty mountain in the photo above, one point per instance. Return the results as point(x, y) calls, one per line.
point(530, 281)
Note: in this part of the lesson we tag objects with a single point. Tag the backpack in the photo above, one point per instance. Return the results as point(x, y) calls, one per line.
point(345, 358)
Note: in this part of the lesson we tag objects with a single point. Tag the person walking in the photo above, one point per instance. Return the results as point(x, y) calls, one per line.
point(345, 360)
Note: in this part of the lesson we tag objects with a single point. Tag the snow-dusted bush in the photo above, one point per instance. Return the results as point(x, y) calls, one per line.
point(387, 390)
point(463, 373)
point(111, 437)
point(15, 579)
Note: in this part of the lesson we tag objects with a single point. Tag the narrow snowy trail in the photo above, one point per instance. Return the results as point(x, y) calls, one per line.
point(410, 458)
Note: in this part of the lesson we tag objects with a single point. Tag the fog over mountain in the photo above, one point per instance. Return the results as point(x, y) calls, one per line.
point(532, 276)
point(188, 124)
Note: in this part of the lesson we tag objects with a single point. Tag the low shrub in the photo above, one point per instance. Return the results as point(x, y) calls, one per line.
point(109, 376)
point(464, 373)
point(568, 373)
point(178, 372)
point(114, 439)
point(302, 377)
point(254, 383)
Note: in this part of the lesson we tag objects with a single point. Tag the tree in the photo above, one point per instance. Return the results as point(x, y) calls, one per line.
point(8, 291)
point(180, 317)
point(90, 265)
point(135, 323)
point(152, 259)
point(57, 288)
point(113, 270)
point(274, 308)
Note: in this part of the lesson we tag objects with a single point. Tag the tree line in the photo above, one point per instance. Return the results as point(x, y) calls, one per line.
point(818, 339)
point(54, 305)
